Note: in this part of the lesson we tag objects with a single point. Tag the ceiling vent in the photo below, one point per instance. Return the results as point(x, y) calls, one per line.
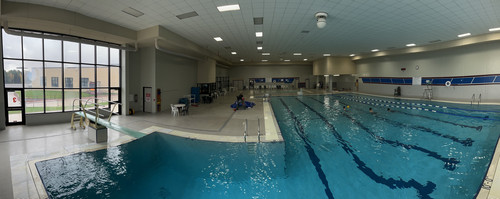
point(434, 41)
point(259, 42)
point(187, 15)
point(258, 20)
point(133, 12)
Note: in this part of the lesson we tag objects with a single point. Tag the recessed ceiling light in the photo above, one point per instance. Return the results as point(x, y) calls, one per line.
point(266, 53)
point(218, 39)
point(464, 35)
point(352, 55)
point(132, 11)
point(305, 59)
point(264, 60)
point(242, 60)
point(286, 60)
point(327, 55)
point(228, 8)
point(410, 45)
point(375, 50)
point(259, 34)
point(259, 47)
point(494, 29)
point(297, 53)
point(233, 53)
point(336, 75)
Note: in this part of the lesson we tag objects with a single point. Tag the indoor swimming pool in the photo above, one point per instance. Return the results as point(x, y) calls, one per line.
point(418, 149)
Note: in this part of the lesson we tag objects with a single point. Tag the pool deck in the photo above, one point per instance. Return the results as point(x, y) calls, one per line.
point(22, 146)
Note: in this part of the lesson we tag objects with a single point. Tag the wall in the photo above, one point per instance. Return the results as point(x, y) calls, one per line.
point(174, 76)
point(221, 71)
point(141, 74)
point(2, 94)
point(334, 65)
point(245, 72)
point(476, 59)
point(206, 71)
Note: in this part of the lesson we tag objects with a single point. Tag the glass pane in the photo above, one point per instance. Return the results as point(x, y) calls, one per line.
point(15, 116)
point(88, 53)
point(114, 57)
point(71, 52)
point(115, 76)
point(34, 100)
point(102, 76)
point(33, 74)
point(53, 50)
point(32, 48)
point(71, 76)
point(14, 99)
point(13, 75)
point(87, 94)
point(53, 100)
point(88, 76)
point(70, 99)
point(115, 98)
point(102, 55)
point(103, 96)
point(53, 75)
point(11, 46)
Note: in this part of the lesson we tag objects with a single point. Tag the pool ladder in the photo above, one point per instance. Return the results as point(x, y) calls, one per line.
point(245, 132)
point(474, 99)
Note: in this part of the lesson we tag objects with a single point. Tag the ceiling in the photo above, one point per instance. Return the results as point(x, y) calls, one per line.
point(289, 26)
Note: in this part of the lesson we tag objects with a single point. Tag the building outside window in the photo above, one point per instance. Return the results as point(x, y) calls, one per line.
point(68, 82)
point(55, 82)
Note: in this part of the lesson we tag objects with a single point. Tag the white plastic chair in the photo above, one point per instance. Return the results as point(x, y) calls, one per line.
point(175, 110)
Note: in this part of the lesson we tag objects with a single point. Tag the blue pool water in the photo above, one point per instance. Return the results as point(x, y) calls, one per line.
point(419, 150)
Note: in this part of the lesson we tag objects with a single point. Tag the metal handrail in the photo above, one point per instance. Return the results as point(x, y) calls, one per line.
point(473, 99)
point(479, 100)
point(95, 104)
point(246, 129)
point(258, 129)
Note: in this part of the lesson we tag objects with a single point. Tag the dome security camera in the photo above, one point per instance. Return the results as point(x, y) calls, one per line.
point(321, 19)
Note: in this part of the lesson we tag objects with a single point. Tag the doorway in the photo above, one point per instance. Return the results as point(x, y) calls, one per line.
point(15, 114)
point(147, 102)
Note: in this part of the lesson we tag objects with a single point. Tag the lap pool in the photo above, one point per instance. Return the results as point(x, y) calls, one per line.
point(419, 149)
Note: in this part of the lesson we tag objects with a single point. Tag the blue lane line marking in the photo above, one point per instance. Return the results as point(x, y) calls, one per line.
point(423, 191)
point(478, 128)
point(310, 151)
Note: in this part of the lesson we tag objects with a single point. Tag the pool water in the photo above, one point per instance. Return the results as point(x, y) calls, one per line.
point(420, 149)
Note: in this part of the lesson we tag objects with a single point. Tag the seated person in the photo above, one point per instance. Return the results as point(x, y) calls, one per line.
point(240, 100)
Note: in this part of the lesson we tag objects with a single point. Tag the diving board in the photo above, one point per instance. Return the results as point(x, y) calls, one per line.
point(108, 124)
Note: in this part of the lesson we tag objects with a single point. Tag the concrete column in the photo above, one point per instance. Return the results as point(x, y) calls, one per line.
point(317, 81)
point(330, 83)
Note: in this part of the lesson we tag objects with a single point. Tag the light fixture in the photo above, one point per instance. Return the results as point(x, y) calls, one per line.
point(352, 55)
point(410, 45)
point(259, 47)
point(321, 19)
point(494, 29)
point(286, 60)
point(242, 60)
point(266, 54)
point(464, 35)
point(326, 75)
point(259, 34)
point(375, 50)
point(336, 75)
point(297, 53)
point(218, 39)
point(233, 53)
point(225, 8)
point(327, 55)
point(264, 60)
point(305, 59)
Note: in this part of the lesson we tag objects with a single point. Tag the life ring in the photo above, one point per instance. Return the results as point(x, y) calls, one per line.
point(447, 83)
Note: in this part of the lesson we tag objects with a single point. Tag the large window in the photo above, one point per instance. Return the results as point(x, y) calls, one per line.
point(56, 73)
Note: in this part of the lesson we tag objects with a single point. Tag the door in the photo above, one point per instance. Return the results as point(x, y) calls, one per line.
point(147, 99)
point(15, 106)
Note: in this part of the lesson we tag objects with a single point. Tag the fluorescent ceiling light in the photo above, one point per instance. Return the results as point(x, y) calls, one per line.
point(286, 60)
point(242, 60)
point(336, 75)
point(494, 29)
point(375, 50)
point(233, 53)
point(259, 47)
point(132, 11)
point(352, 55)
point(326, 55)
point(259, 34)
point(264, 60)
point(305, 59)
point(218, 39)
point(464, 35)
point(297, 53)
point(326, 75)
point(266, 53)
point(410, 45)
point(228, 8)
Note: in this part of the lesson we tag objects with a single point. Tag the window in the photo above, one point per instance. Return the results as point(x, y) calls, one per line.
point(54, 82)
point(75, 71)
point(85, 82)
point(68, 82)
